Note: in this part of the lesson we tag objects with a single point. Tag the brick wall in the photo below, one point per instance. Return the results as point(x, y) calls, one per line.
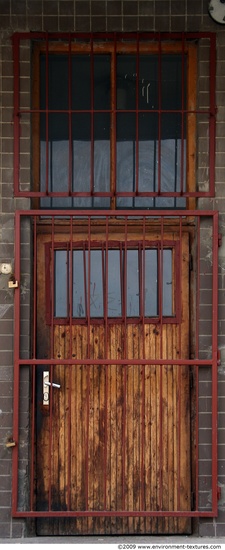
point(93, 15)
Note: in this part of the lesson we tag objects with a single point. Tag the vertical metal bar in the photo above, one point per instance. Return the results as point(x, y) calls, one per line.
point(16, 388)
point(197, 356)
point(214, 365)
point(51, 368)
point(34, 346)
point(70, 356)
point(160, 291)
point(182, 117)
point(125, 367)
point(47, 113)
point(16, 113)
point(34, 350)
point(137, 119)
point(70, 171)
point(113, 131)
point(88, 353)
point(105, 282)
point(92, 122)
point(159, 110)
point(142, 283)
point(179, 290)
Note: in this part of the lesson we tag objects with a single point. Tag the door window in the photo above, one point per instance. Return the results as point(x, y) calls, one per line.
point(116, 283)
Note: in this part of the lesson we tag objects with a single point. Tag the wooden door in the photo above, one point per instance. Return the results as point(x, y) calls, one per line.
point(113, 425)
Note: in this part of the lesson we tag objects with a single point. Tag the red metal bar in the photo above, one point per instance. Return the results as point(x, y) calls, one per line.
point(112, 513)
point(214, 367)
point(33, 373)
point(16, 391)
point(197, 355)
point(70, 160)
point(182, 121)
point(92, 114)
point(46, 114)
point(159, 111)
point(137, 119)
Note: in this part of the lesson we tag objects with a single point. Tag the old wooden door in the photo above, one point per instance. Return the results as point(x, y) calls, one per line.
point(113, 414)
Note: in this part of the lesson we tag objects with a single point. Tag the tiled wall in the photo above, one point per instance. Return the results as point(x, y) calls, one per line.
point(93, 15)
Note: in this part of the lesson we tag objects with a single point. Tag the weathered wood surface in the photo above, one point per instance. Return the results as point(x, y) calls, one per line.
point(117, 437)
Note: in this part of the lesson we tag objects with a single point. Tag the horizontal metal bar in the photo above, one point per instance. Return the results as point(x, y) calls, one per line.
point(112, 513)
point(118, 213)
point(135, 362)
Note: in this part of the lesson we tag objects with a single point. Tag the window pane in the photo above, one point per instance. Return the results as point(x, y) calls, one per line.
point(81, 82)
point(126, 82)
point(60, 284)
point(96, 283)
point(167, 283)
point(172, 74)
point(150, 283)
point(102, 79)
point(148, 82)
point(114, 284)
point(79, 306)
point(133, 296)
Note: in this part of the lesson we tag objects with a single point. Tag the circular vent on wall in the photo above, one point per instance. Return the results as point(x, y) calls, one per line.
point(217, 11)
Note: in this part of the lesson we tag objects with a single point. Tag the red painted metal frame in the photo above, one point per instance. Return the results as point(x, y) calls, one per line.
point(196, 363)
point(137, 38)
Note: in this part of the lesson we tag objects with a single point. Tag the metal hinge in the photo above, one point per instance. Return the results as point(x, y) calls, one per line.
point(220, 238)
point(218, 493)
point(192, 501)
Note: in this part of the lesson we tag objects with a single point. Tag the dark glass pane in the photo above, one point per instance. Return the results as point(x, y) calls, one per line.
point(126, 82)
point(125, 157)
point(60, 283)
point(167, 283)
point(81, 152)
point(102, 82)
point(101, 154)
point(173, 76)
point(56, 81)
point(56, 179)
point(114, 284)
point(79, 306)
point(150, 283)
point(81, 82)
point(148, 82)
point(133, 286)
point(96, 283)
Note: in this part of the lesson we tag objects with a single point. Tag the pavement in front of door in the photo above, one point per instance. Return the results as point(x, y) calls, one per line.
point(144, 542)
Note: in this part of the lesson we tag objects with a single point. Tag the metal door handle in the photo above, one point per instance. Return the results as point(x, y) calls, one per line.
point(53, 384)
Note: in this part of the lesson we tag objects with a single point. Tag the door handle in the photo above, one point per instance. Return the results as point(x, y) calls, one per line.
point(53, 384)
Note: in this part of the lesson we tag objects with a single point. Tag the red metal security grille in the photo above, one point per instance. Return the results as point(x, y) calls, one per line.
point(195, 116)
point(202, 227)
